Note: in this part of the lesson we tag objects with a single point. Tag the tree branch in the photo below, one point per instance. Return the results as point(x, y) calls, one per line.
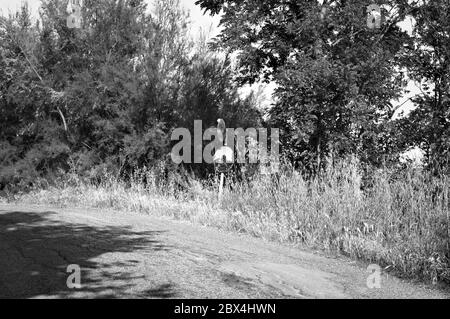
point(53, 92)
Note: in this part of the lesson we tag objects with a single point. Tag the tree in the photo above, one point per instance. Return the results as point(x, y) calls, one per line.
point(336, 77)
point(105, 96)
point(428, 62)
point(30, 141)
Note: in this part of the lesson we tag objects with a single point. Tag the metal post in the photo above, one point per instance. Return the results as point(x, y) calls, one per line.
point(222, 135)
point(222, 180)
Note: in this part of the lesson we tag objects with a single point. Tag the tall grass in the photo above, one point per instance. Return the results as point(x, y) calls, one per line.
point(400, 222)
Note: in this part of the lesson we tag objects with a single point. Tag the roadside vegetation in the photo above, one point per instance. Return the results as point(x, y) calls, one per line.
point(87, 114)
point(399, 220)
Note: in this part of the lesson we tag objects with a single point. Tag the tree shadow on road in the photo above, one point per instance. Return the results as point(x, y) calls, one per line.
point(36, 249)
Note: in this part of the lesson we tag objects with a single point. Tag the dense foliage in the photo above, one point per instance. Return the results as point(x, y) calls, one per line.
point(338, 79)
point(105, 97)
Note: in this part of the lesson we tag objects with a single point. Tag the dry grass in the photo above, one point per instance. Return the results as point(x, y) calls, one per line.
point(400, 224)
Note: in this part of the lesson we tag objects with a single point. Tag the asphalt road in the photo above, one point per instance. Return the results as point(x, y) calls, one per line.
point(125, 255)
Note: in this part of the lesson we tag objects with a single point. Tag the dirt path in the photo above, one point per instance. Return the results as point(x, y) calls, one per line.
point(124, 255)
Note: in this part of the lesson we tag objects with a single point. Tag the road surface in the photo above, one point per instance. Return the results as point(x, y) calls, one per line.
point(125, 255)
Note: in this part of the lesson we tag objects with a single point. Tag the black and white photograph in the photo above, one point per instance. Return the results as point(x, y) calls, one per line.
point(225, 157)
